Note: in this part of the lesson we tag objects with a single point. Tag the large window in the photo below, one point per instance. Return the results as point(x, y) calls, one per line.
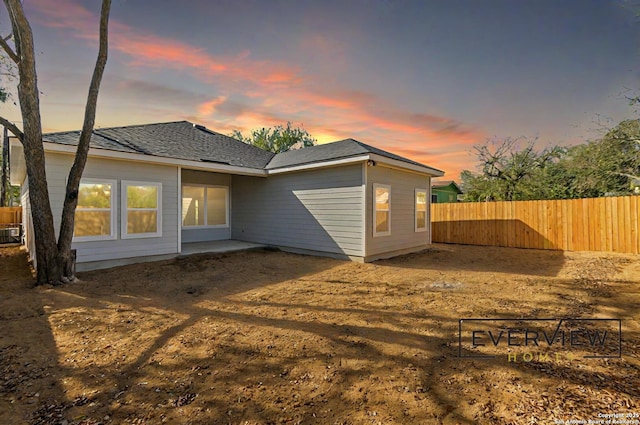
point(141, 209)
point(421, 210)
point(205, 206)
point(95, 214)
point(382, 210)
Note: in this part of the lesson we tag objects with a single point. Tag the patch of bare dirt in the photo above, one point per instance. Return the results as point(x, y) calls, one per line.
point(275, 338)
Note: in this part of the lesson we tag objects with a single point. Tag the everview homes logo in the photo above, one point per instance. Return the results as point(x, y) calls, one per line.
point(526, 340)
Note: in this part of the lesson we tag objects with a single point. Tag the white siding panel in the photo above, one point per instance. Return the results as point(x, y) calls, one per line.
point(27, 222)
point(58, 166)
point(318, 210)
point(403, 235)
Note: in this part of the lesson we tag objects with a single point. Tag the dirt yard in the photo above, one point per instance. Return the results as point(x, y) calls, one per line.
point(267, 337)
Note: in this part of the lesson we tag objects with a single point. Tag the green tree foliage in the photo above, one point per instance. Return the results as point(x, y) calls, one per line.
point(608, 165)
point(277, 139)
point(512, 171)
point(508, 168)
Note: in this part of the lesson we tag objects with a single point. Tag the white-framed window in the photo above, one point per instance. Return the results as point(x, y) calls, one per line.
point(95, 217)
point(421, 210)
point(381, 209)
point(141, 209)
point(205, 206)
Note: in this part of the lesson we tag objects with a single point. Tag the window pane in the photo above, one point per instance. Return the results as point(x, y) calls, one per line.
point(421, 219)
point(382, 221)
point(382, 199)
point(92, 223)
point(92, 195)
point(142, 197)
point(142, 222)
point(421, 201)
point(216, 206)
point(192, 206)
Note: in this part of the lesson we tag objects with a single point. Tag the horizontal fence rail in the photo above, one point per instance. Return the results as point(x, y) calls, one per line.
point(609, 224)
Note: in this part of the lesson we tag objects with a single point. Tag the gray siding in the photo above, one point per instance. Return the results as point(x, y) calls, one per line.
point(316, 210)
point(206, 234)
point(58, 166)
point(403, 235)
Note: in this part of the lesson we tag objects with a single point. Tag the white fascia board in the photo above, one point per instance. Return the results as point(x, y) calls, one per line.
point(394, 163)
point(323, 164)
point(151, 159)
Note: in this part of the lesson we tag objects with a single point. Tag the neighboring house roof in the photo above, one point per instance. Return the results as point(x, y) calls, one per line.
point(180, 140)
point(187, 141)
point(446, 184)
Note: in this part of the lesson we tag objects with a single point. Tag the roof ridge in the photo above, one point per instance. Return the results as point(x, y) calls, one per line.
point(124, 143)
point(120, 126)
point(145, 125)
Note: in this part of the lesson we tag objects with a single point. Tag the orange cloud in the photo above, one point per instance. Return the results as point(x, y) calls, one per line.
point(207, 108)
point(278, 92)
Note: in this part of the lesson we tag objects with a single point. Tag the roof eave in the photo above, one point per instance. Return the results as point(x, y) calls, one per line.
point(319, 164)
point(394, 163)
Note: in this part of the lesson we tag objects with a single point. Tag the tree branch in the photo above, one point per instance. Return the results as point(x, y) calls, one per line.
point(12, 128)
point(631, 176)
point(5, 46)
point(80, 160)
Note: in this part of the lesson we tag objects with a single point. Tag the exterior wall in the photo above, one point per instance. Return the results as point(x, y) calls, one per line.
point(58, 166)
point(315, 211)
point(206, 234)
point(403, 237)
point(27, 222)
point(445, 194)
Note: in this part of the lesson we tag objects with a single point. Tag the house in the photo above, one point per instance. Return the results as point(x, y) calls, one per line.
point(150, 190)
point(445, 191)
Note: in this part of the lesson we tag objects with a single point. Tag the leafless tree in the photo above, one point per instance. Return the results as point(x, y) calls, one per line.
point(54, 259)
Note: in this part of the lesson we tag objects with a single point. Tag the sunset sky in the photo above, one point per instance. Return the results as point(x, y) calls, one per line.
point(423, 79)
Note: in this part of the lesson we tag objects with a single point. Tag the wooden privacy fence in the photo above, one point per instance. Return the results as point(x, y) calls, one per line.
point(10, 215)
point(598, 224)
point(10, 220)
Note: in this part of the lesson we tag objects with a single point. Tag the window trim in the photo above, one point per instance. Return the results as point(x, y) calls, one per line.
point(113, 210)
point(206, 215)
point(124, 219)
point(415, 209)
point(375, 209)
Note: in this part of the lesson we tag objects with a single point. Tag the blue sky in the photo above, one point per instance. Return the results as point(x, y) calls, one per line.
point(424, 79)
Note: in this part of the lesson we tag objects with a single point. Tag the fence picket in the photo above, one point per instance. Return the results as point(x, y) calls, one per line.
point(597, 224)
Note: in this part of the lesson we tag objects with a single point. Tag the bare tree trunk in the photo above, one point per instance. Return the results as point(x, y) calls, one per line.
point(65, 259)
point(28, 95)
point(55, 261)
point(4, 181)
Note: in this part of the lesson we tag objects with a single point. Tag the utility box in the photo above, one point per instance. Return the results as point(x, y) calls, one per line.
point(10, 234)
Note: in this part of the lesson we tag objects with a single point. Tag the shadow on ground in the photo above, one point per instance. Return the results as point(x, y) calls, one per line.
point(269, 337)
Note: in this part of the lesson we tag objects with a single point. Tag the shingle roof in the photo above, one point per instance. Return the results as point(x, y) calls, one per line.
point(442, 183)
point(332, 151)
point(184, 140)
point(180, 140)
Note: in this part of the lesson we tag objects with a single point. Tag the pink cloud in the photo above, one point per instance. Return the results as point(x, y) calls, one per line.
point(277, 92)
point(209, 107)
